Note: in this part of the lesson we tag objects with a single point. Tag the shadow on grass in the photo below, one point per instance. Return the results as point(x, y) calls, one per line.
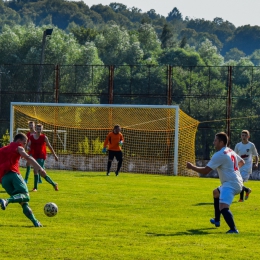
point(2, 191)
point(203, 231)
point(203, 204)
point(90, 175)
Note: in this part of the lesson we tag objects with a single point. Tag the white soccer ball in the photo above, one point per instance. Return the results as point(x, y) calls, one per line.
point(50, 209)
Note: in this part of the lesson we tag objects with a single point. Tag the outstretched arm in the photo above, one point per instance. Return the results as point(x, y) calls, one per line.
point(202, 170)
point(31, 161)
point(50, 147)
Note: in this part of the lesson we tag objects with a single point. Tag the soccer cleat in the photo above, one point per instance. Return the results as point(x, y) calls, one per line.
point(247, 194)
point(37, 224)
point(116, 173)
point(3, 204)
point(216, 223)
point(231, 231)
point(241, 200)
point(34, 190)
point(56, 187)
point(108, 173)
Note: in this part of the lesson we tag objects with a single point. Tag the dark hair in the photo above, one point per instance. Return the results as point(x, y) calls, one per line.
point(39, 125)
point(116, 126)
point(20, 136)
point(31, 122)
point(222, 137)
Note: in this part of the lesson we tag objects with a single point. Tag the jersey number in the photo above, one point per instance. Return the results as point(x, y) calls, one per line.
point(233, 158)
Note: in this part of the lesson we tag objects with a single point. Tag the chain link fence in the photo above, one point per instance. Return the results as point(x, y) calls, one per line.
point(221, 98)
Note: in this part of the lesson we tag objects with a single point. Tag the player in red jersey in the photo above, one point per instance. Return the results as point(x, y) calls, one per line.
point(32, 131)
point(11, 179)
point(37, 146)
point(114, 140)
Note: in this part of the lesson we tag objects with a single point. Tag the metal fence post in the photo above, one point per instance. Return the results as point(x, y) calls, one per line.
point(229, 103)
point(57, 83)
point(111, 85)
point(169, 85)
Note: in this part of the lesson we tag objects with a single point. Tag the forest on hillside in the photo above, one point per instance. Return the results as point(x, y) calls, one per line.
point(125, 35)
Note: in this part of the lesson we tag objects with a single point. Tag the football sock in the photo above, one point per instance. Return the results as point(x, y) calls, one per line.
point(228, 218)
point(242, 194)
point(217, 211)
point(109, 163)
point(17, 198)
point(28, 212)
point(48, 179)
point(245, 189)
point(119, 165)
point(28, 170)
point(36, 178)
point(39, 179)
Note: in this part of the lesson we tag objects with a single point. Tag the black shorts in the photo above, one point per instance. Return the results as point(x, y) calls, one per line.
point(117, 154)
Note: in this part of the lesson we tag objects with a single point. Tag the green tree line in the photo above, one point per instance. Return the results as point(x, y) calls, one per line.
point(174, 31)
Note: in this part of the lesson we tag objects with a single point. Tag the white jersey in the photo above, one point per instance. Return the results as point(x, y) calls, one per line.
point(246, 152)
point(226, 163)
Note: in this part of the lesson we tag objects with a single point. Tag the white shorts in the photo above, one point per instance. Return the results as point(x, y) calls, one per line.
point(227, 194)
point(245, 174)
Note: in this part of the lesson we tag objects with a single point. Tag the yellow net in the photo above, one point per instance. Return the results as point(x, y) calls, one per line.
point(77, 134)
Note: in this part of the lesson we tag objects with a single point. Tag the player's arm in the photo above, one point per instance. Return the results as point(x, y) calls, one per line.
point(202, 170)
point(106, 141)
point(256, 161)
point(28, 145)
point(50, 147)
point(30, 160)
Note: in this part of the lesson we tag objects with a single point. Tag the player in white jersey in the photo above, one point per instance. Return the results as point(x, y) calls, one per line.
point(247, 151)
point(227, 163)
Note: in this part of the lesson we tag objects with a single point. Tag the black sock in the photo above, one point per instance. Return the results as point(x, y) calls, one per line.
point(245, 189)
point(109, 163)
point(119, 166)
point(242, 194)
point(217, 211)
point(228, 218)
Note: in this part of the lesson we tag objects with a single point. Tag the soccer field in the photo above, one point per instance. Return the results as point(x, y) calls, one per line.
point(131, 216)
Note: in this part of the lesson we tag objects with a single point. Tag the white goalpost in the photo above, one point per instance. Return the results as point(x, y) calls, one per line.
point(151, 132)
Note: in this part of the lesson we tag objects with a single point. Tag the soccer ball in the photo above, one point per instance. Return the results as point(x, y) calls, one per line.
point(50, 209)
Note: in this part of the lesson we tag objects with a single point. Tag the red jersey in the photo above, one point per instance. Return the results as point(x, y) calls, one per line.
point(38, 147)
point(112, 140)
point(9, 159)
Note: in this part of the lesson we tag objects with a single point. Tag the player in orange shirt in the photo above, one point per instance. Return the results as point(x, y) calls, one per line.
point(114, 140)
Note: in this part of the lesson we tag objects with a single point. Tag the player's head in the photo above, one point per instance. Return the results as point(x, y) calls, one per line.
point(31, 125)
point(245, 135)
point(21, 139)
point(221, 140)
point(39, 128)
point(117, 129)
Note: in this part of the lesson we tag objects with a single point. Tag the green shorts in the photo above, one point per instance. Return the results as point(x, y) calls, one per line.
point(41, 162)
point(13, 183)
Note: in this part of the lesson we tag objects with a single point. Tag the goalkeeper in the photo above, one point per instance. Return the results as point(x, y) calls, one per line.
point(114, 141)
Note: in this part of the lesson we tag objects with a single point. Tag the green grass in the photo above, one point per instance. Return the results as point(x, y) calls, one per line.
point(131, 216)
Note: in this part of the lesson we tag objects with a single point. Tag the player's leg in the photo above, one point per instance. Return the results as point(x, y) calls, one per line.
point(111, 155)
point(226, 197)
point(27, 173)
point(36, 179)
point(15, 186)
point(216, 220)
point(29, 214)
point(47, 177)
point(119, 158)
point(41, 163)
point(245, 179)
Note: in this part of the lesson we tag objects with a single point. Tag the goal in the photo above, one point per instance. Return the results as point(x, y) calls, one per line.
point(158, 139)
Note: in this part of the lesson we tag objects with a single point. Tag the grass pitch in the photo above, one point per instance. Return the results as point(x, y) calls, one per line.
point(131, 216)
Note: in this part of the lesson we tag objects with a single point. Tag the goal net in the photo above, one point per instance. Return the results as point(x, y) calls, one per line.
point(158, 139)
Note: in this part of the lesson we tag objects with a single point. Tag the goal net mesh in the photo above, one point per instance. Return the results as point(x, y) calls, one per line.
point(77, 134)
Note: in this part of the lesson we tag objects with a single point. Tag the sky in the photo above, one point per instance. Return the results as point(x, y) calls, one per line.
point(238, 12)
